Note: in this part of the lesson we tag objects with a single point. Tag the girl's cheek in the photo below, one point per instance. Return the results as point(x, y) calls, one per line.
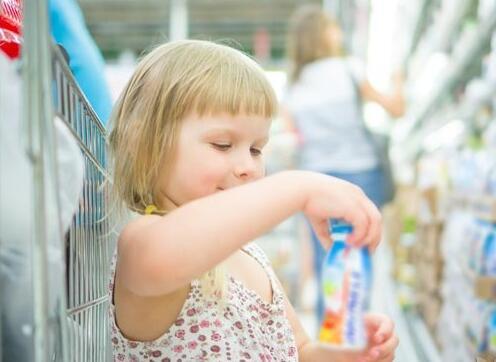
point(214, 174)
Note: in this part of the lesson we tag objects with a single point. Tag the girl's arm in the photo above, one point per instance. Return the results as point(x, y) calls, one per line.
point(394, 103)
point(158, 255)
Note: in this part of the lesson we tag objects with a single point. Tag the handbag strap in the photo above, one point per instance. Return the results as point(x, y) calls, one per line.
point(356, 88)
point(359, 106)
point(359, 102)
point(380, 148)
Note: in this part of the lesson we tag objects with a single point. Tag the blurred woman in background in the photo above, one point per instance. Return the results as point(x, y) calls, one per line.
point(323, 104)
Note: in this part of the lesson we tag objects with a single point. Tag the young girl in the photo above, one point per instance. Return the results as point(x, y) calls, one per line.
point(187, 140)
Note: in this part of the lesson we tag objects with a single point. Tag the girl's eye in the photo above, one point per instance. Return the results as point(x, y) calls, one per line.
point(221, 146)
point(255, 151)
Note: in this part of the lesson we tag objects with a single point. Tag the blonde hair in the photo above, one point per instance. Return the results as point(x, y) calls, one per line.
point(171, 82)
point(307, 40)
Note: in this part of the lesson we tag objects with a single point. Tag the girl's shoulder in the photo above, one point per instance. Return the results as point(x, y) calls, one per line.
point(134, 224)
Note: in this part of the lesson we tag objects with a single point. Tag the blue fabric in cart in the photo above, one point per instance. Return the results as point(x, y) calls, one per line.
point(86, 62)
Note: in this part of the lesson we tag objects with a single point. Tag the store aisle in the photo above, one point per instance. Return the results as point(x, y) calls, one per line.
point(415, 342)
point(383, 300)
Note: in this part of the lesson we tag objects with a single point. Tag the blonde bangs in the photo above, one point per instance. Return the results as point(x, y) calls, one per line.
point(234, 93)
point(223, 80)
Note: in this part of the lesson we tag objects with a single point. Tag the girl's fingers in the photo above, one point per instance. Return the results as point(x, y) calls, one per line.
point(384, 331)
point(359, 219)
point(388, 358)
point(379, 327)
point(354, 207)
point(375, 226)
point(321, 228)
point(368, 232)
point(384, 350)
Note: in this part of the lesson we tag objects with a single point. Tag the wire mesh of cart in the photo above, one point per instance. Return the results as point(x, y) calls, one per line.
point(89, 241)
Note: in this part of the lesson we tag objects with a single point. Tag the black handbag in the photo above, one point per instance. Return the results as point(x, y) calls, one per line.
point(380, 142)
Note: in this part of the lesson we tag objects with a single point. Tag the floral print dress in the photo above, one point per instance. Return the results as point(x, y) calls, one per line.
point(246, 328)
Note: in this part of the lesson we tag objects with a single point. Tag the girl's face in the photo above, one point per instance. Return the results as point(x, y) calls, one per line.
point(216, 153)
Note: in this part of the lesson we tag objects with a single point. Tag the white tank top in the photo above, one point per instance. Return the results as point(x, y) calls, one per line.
point(246, 329)
point(324, 107)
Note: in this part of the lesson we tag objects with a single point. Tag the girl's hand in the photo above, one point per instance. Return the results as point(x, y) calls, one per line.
point(382, 341)
point(332, 198)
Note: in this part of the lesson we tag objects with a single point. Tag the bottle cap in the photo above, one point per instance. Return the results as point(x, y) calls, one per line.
point(340, 226)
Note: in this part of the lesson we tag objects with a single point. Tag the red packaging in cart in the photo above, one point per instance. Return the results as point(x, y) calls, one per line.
point(10, 27)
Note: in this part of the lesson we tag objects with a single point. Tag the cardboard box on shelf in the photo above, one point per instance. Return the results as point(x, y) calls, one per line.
point(404, 251)
point(486, 357)
point(401, 227)
point(482, 206)
point(429, 305)
point(428, 241)
point(427, 258)
point(405, 273)
point(392, 224)
point(407, 200)
point(485, 288)
point(429, 276)
point(428, 206)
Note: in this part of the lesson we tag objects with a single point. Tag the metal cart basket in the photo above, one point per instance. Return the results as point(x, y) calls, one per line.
point(65, 299)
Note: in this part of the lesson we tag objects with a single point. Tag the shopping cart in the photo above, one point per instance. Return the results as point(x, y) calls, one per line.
point(67, 314)
point(89, 242)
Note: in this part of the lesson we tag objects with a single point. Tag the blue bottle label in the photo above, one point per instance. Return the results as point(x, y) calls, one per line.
point(346, 281)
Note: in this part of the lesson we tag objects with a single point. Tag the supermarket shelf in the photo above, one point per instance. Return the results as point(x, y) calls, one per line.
point(425, 346)
point(465, 111)
point(484, 286)
point(416, 345)
point(445, 26)
point(484, 208)
point(469, 107)
point(420, 25)
point(455, 71)
point(486, 357)
point(481, 206)
point(449, 23)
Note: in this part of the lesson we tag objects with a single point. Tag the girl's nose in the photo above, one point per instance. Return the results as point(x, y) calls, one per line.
point(245, 167)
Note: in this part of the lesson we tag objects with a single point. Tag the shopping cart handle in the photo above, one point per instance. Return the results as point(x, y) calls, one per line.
point(64, 52)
